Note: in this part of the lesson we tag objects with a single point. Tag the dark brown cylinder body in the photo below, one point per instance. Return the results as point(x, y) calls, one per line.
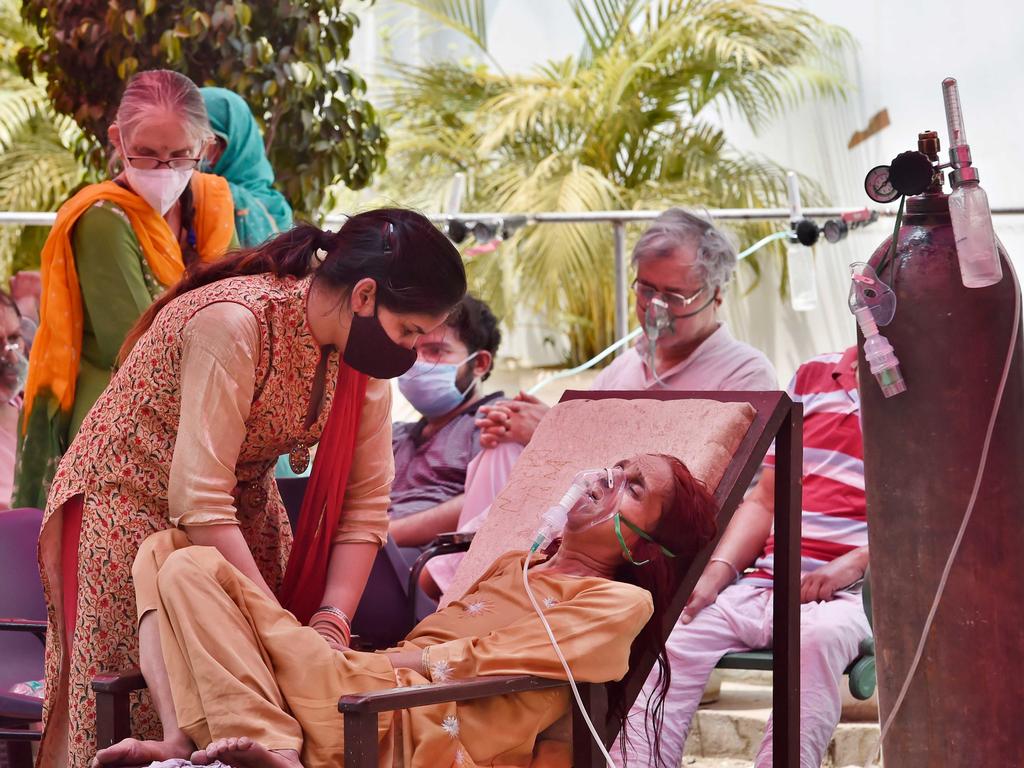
point(922, 450)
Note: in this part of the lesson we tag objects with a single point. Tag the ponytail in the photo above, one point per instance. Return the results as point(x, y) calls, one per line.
point(288, 254)
point(416, 268)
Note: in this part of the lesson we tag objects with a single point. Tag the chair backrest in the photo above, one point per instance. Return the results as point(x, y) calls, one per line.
point(21, 595)
point(578, 434)
point(22, 592)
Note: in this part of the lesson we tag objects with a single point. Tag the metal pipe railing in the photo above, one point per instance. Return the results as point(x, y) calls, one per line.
point(37, 219)
point(618, 220)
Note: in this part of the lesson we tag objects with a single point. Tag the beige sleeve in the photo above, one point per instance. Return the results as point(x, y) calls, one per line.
point(364, 516)
point(220, 351)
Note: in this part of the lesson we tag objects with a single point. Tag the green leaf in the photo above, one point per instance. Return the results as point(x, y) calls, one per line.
point(281, 60)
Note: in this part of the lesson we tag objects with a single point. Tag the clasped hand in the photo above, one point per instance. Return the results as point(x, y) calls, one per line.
point(510, 420)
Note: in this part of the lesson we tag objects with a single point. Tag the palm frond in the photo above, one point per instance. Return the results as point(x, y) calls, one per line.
point(621, 125)
point(20, 102)
point(467, 17)
point(604, 23)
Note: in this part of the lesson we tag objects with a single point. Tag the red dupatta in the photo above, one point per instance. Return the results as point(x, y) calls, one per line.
point(306, 575)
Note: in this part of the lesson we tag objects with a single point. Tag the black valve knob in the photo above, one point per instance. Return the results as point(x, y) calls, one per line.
point(911, 173)
point(807, 232)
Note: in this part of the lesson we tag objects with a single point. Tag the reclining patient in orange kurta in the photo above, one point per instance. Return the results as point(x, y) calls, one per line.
point(252, 687)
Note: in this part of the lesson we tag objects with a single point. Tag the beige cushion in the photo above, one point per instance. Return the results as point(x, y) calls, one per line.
point(580, 434)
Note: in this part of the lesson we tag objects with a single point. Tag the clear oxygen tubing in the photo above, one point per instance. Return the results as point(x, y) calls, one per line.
point(561, 658)
point(637, 331)
point(926, 630)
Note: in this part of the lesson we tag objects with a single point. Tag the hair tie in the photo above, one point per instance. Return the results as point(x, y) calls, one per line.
point(322, 244)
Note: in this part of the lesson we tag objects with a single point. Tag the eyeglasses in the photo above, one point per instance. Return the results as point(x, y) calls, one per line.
point(677, 303)
point(148, 163)
point(13, 345)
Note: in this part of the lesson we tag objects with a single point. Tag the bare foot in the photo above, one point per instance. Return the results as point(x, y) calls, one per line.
point(245, 753)
point(135, 752)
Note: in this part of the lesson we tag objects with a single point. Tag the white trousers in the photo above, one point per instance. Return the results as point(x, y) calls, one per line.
point(741, 620)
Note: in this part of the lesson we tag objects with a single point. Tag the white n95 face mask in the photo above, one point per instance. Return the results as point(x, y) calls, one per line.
point(160, 187)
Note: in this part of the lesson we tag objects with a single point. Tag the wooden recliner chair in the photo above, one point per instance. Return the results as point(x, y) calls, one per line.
point(722, 437)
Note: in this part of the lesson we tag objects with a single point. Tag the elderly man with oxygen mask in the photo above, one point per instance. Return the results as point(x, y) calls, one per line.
point(683, 264)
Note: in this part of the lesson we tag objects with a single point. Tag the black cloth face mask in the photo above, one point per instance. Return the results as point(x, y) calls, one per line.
point(371, 351)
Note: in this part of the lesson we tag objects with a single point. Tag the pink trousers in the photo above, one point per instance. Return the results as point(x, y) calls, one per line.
point(741, 620)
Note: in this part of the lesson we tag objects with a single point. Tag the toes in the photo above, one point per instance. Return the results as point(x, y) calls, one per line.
point(215, 748)
point(245, 742)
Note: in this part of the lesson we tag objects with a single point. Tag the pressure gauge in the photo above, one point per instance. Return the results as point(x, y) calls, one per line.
point(835, 230)
point(878, 186)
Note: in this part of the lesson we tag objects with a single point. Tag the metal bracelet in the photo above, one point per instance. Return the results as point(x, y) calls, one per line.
point(425, 663)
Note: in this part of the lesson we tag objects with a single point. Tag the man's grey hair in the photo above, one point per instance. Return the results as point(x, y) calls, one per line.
point(675, 229)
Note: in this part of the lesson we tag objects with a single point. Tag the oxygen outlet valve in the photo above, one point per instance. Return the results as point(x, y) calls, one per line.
point(968, 204)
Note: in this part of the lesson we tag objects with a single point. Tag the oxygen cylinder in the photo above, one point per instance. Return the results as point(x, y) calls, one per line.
point(922, 450)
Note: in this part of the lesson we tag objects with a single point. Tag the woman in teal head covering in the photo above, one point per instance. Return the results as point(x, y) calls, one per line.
point(260, 210)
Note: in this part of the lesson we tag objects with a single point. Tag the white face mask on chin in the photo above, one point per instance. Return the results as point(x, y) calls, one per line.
point(160, 187)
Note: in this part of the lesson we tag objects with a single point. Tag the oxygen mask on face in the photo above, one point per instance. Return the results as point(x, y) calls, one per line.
point(658, 322)
point(592, 498)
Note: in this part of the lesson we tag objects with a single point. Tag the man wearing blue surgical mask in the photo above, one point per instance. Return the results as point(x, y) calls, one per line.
point(431, 454)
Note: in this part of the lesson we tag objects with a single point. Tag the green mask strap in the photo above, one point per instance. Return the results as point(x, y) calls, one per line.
point(619, 519)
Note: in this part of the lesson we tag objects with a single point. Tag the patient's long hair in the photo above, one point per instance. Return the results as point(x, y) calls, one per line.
point(686, 525)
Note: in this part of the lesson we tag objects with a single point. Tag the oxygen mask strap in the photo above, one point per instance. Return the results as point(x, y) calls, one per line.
point(619, 519)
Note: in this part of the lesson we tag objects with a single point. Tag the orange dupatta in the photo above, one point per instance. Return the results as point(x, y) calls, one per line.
point(57, 348)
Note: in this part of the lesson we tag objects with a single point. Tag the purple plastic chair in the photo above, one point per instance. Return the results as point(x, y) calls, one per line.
point(22, 631)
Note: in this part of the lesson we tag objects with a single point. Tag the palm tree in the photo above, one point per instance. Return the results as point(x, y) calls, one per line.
point(38, 166)
point(627, 123)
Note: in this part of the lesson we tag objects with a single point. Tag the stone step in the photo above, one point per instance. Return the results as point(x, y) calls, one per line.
point(728, 732)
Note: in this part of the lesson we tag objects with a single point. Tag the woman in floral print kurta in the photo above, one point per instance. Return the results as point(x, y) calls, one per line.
point(241, 362)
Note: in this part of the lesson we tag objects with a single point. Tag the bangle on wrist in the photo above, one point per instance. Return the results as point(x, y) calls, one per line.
point(335, 612)
point(425, 663)
point(736, 571)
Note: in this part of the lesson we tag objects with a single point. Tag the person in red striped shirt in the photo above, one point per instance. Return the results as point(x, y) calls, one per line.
point(731, 607)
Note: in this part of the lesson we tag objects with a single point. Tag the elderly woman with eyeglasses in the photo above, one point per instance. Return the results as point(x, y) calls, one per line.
point(115, 247)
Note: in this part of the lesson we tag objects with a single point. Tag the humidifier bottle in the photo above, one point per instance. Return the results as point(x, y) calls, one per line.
point(968, 204)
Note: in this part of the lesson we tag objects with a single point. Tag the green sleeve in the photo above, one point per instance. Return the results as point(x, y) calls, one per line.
point(114, 292)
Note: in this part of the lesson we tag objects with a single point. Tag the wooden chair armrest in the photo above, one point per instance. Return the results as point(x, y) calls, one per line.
point(125, 681)
point(438, 693)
